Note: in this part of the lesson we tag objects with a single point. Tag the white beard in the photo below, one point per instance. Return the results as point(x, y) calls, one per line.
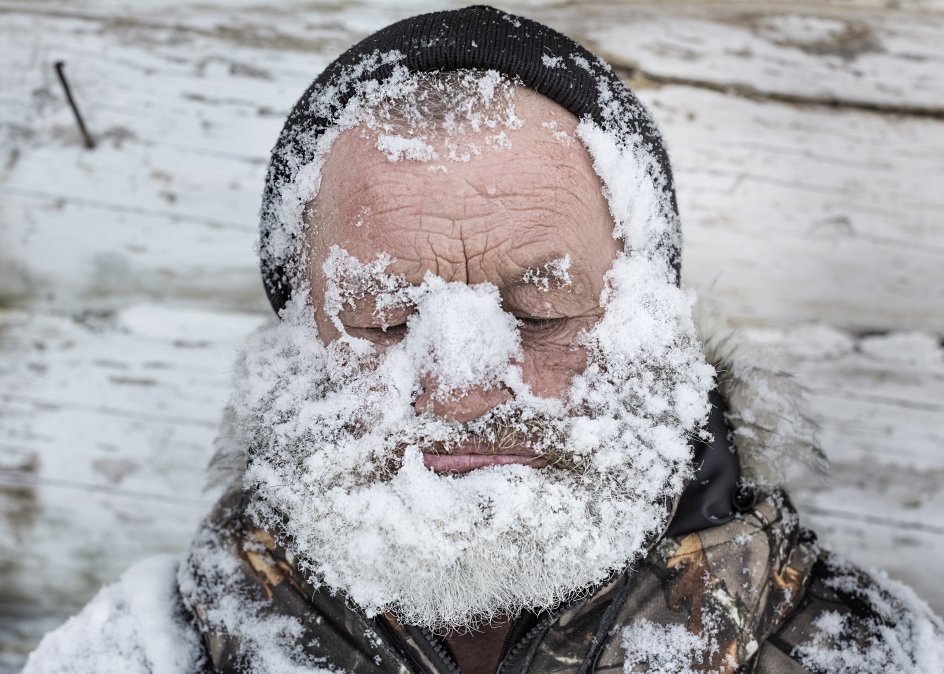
point(336, 467)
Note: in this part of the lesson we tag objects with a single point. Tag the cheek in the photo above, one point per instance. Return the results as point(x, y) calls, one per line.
point(550, 370)
point(326, 330)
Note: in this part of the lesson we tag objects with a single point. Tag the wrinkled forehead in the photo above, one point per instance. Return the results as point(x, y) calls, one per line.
point(480, 204)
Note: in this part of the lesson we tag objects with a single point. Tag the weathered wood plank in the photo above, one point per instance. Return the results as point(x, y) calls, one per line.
point(879, 401)
point(868, 59)
point(106, 425)
point(72, 253)
point(789, 210)
point(796, 214)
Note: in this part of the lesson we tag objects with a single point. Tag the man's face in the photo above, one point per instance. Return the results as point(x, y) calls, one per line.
point(478, 403)
point(506, 217)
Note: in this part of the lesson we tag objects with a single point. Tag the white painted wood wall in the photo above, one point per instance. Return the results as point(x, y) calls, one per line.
point(808, 144)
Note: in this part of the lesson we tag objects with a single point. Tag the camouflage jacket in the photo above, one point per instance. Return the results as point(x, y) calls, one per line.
point(755, 594)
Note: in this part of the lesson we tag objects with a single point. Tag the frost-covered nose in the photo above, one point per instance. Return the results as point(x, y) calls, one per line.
point(460, 339)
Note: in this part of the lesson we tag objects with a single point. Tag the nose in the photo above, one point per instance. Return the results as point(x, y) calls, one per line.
point(462, 406)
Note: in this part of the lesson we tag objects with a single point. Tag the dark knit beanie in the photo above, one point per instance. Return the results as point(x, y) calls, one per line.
point(476, 38)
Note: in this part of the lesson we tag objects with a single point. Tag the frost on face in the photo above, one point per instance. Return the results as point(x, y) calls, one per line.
point(448, 117)
point(336, 445)
point(479, 353)
point(457, 352)
point(442, 117)
point(637, 206)
point(429, 117)
point(556, 272)
point(398, 147)
point(350, 281)
point(304, 154)
point(635, 182)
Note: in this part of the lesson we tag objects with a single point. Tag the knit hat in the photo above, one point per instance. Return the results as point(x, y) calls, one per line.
point(477, 38)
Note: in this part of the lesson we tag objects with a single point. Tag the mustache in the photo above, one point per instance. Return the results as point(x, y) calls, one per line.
point(501, 432)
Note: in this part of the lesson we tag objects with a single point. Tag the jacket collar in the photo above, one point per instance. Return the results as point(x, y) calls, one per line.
point(718, 592)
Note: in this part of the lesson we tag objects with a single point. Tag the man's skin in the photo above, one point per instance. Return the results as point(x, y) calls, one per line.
point(486, 220)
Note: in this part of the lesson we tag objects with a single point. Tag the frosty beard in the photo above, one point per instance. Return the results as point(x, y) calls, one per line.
point(336, 466)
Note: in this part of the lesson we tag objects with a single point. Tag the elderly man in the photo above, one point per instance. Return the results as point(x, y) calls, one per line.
point(484, 436)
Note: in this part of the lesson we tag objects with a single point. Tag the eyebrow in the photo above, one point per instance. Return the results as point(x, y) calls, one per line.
point(543, 263)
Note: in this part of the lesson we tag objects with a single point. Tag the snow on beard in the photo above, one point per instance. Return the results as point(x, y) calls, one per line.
point(337, 469)
point(335, 445)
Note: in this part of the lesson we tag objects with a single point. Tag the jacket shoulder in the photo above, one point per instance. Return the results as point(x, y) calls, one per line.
point(136, 625)
point(851, 621)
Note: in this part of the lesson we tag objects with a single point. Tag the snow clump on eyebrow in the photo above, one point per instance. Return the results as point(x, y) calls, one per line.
point(557, 270)
point(350, 281)
point(478, 354)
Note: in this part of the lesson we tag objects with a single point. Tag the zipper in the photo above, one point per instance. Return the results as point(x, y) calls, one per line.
point(436, 650)
point(441, 652)
point(606, 623)
point(450, 666)
point(524, 642)
point(519, 629)
point(420, 648)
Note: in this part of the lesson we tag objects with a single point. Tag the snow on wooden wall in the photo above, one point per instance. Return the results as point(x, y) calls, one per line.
point(808, 144)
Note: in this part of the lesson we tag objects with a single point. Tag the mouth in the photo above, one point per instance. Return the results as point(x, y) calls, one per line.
point(471, 455)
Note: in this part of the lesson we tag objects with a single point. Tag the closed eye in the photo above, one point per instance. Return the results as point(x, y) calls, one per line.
point(537, 324)
point(383, 334)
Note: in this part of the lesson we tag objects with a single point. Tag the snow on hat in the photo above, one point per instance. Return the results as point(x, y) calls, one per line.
point(473, 38)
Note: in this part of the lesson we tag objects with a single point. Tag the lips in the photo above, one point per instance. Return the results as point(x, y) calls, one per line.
point(471, 455)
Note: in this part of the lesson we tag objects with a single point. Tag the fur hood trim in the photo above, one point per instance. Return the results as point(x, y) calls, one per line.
point(776, 437)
